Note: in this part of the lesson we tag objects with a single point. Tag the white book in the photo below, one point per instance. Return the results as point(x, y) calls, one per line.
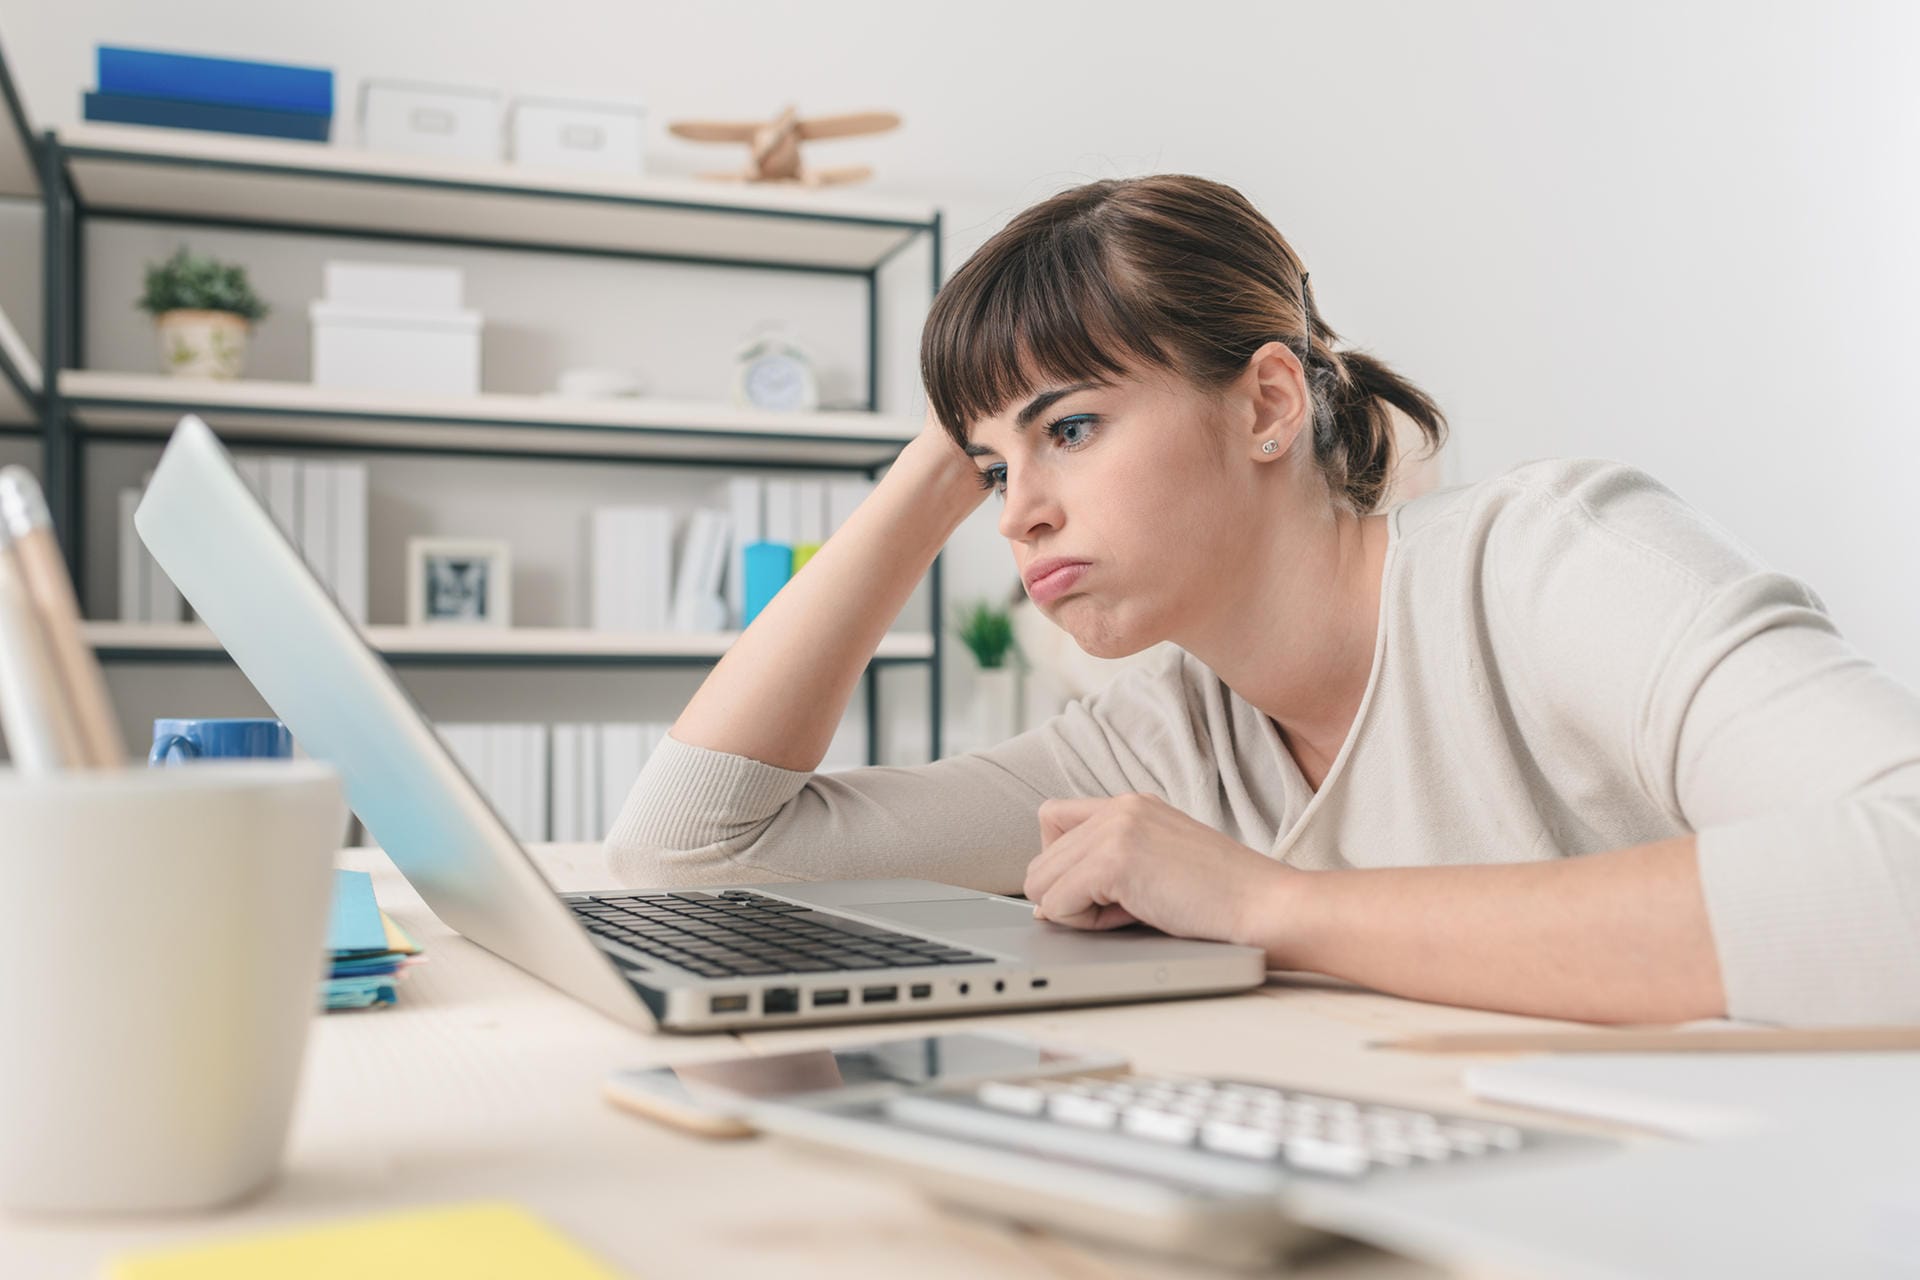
point(696, 597)
point(746, 511)
point(844, 496)
point(350, 538)
point(316, 522)
point(591, 814)
point(133, 559)
point(283, 496)
point(253, 470)
point(783, 512)
point(164, 601)
point(653, 567)
point(848, 750)
point(533, 779)
point(563, 788)
point(468, 746)
point(810, 512)
point(621, 755)
point(603, 593)
point(505, 755)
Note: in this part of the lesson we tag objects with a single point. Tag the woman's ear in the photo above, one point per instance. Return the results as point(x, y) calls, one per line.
point(1276, 385)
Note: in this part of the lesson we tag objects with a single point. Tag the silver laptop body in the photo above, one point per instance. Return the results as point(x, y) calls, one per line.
point(873, 948)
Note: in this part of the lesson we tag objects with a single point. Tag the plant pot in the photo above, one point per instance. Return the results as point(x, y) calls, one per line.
point(202, 344)
point(996, 705)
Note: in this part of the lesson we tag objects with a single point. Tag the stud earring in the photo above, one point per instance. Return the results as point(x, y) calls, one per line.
point(1269, 446)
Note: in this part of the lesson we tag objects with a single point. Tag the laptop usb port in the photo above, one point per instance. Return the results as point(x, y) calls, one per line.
point(781, 1000)
point(878, 995)
point(727, 1004)
point(838, 995)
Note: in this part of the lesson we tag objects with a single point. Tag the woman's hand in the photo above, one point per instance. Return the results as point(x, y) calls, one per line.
point(1110, 861)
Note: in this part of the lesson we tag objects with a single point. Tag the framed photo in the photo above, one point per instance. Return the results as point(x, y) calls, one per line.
point(459, 582)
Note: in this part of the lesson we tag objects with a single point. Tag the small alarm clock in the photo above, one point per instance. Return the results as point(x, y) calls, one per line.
point(774, 372)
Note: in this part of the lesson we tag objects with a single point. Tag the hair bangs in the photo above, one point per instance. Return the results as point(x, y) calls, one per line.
point(1027, 314)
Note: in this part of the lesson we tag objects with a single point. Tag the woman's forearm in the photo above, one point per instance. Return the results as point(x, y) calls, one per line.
point(779, 692)
point(1610, 937)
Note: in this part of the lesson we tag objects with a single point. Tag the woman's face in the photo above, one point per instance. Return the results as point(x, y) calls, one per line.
point(1138, 485)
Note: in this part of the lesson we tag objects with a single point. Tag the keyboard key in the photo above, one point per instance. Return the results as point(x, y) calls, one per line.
point(1020, 1098)
point(1239, 1140)
point(1088, 1113)
point(1315, 1155)
point(1161, 1126)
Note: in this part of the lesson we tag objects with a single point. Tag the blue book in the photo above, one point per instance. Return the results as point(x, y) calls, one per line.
point(109, 108)
point(150, 73)
point(353, 923)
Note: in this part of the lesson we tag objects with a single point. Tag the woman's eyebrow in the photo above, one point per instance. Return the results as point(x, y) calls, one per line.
point(1035, 407)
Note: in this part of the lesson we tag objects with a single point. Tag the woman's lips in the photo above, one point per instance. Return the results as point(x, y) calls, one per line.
point(1056, 584)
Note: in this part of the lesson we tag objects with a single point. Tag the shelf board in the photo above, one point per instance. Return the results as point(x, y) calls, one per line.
point(131, 170)
point(298, 412)
point(19, 378)
point(133, 641)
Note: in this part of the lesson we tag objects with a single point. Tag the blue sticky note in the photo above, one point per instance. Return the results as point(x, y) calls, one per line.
point(354, 924)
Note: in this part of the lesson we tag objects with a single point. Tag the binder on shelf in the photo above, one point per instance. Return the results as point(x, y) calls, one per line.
point(283, 496)
point(187, 77)
point(208, 117)
point(769, 568)
point(563, 783)
point(844, 496)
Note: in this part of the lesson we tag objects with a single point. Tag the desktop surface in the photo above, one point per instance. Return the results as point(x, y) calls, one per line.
point(484, 1083)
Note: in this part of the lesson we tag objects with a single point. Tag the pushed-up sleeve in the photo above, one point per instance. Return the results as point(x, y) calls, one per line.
point(1797, 761)
point(1726, 690)
point(697, 816)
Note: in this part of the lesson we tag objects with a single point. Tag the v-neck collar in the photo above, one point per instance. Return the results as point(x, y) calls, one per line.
point(1293, 779)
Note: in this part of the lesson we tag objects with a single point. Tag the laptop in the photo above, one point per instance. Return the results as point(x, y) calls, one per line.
point(753, 955)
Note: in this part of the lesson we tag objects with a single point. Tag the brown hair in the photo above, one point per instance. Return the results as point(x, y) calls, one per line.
point(1179, 271)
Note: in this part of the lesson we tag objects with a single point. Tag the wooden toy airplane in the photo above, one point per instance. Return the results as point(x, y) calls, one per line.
point(776, 144)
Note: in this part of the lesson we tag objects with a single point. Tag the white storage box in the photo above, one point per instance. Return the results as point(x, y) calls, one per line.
point(565, 133)
point(365, 349)
point(399, 288)
point(432, 120)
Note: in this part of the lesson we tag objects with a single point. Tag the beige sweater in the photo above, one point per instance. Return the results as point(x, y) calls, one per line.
point(1570, 660)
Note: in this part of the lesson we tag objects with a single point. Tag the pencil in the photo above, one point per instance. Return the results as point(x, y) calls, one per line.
point(23, 513)
point(33, 712)
point(1716, 1040)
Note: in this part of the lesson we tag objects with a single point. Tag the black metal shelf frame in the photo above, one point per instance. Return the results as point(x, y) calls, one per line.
point(64, 437)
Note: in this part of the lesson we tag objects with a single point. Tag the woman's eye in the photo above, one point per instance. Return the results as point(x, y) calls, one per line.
point(994, 480)
point(1065, 430)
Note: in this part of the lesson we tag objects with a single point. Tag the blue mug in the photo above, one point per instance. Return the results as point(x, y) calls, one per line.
point(175, 741)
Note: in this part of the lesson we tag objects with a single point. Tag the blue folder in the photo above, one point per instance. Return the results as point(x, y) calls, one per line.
point(151, 73)
point(109, 108)
point(354, 925)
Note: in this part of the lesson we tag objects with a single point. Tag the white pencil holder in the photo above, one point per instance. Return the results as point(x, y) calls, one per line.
point(162, 938)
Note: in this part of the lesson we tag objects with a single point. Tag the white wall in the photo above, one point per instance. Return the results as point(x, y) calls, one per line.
point(1677, 234)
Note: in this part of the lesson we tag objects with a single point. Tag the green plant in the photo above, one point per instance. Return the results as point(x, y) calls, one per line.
point(188, 282)
point(986, 631)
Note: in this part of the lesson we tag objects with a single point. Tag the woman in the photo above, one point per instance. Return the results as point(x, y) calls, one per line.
point(1551, 743)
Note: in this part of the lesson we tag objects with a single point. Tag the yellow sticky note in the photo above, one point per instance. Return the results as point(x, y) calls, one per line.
point(397, 940)
point(462, 1242)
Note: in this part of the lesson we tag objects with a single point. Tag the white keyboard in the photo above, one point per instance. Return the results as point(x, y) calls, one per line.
point(1223, 1134)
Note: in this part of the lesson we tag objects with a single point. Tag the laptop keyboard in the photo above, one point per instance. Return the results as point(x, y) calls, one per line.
point(739, 933)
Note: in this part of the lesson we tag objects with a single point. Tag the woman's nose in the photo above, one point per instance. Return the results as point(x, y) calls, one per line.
point(1027, 507)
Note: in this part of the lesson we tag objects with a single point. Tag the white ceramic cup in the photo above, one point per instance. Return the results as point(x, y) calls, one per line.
point(162, 937)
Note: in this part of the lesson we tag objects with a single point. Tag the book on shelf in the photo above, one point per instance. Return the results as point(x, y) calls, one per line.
point(146, 593)
point(321, 507)
point(188, 77)
point(207, 117)
point(703, 575)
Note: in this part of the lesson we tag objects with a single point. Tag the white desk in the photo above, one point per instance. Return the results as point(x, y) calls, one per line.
point(485, 1083)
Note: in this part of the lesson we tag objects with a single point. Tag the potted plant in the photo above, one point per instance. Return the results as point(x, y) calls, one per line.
point(987, 631)
point(203, 310)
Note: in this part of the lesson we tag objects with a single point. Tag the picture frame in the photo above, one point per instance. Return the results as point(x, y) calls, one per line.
point(459, 582)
